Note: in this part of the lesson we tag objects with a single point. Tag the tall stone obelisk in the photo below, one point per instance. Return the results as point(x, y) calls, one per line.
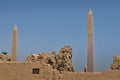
point(90, 63)
point(15, 44)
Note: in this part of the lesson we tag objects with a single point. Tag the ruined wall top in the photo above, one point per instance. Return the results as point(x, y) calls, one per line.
point(61, 61)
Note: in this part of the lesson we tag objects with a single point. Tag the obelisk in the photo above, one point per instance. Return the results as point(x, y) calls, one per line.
point(90, 63)
point(15, 44)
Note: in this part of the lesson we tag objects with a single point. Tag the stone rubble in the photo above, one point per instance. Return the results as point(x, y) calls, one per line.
point(4, 57)
point(116, 63)
point(61, 61)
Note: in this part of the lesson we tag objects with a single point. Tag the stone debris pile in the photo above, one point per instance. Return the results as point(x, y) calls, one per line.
point(61, 61)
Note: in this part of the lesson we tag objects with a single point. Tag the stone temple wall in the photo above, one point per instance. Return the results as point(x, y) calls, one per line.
point(105, 75)
point(52, 67)
point(25, 71)
point(39, 71)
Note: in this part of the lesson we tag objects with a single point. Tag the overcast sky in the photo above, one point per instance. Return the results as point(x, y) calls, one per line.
point(49, 25)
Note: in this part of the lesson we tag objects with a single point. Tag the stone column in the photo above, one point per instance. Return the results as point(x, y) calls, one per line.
point(15, 44)
point(90, 64)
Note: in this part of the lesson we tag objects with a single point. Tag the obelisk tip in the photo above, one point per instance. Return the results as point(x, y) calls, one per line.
point(15, 27)
point(90, 11)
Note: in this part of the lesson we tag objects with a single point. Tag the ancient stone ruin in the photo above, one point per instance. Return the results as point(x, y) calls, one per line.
point(61, 61)
point(116, 63)
point(54, 66)
point(4, 57)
